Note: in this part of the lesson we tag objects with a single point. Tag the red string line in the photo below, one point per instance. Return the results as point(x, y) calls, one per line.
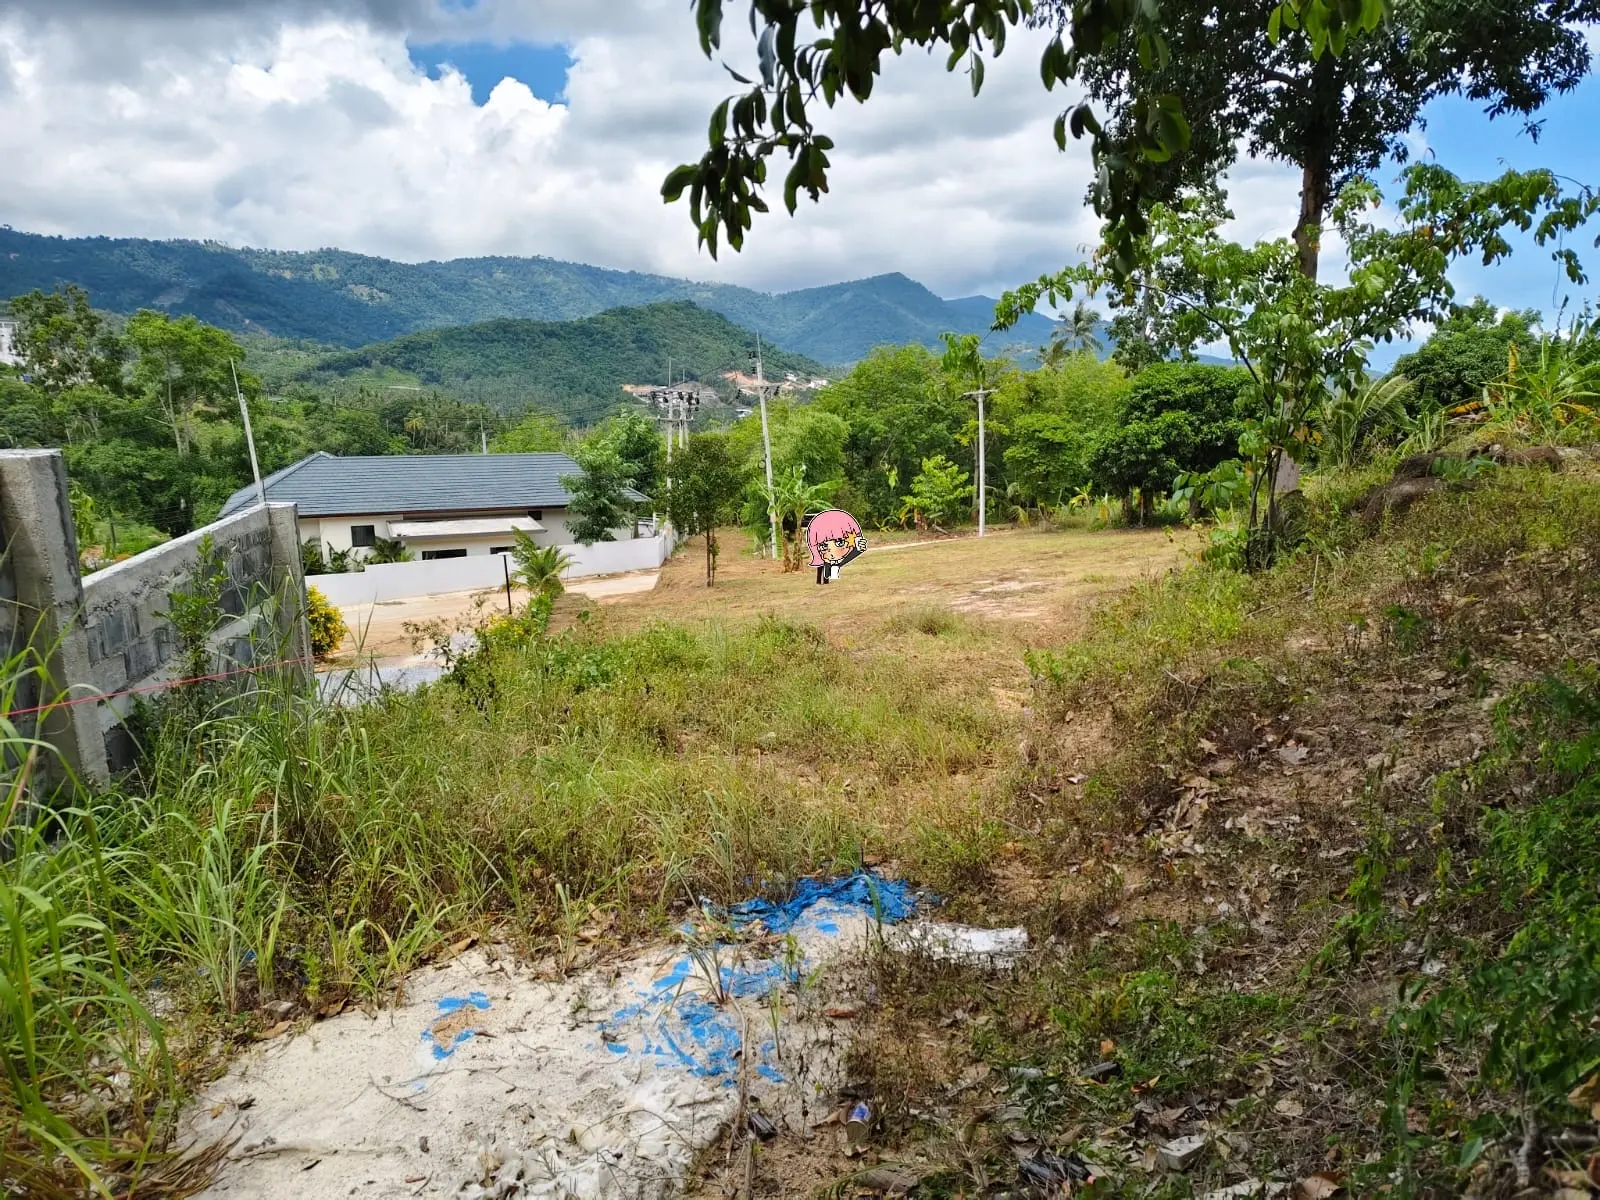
point(101, 697)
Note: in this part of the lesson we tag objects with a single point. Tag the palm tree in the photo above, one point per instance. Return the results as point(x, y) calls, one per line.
point(1076, 333)
point(539, 567)
point(795, 500)
point(388, 550)
point(1354, 418)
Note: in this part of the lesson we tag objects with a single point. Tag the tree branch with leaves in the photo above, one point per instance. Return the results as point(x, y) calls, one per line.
point(775, 116)
point(1303, 342)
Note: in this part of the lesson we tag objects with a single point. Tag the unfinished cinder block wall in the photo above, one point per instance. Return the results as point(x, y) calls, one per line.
point(105, 639)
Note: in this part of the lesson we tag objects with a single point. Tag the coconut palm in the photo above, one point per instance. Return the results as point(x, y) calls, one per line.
point(1357, 417)
point(1076, 333)
point(539, 567)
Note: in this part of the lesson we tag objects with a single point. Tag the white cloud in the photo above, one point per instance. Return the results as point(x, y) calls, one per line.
point(297, 125)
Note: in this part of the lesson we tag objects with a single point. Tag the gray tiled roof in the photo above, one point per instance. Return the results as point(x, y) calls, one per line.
point(325, 485)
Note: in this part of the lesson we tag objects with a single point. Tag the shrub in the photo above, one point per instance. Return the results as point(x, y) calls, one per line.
point(539, 567)
point(1178, 418)
point(328, 629)
point(940, 494)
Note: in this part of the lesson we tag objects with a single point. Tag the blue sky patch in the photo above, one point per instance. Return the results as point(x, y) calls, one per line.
point(543, 68)
point(1462, 139)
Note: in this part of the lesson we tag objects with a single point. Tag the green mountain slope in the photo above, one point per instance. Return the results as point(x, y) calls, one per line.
point(346, 299)
point(575, 368)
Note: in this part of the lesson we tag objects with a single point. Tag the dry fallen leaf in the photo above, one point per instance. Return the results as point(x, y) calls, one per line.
point(1289, 1107)
point(278, 1030)
point(464, 944)
point(1317, 1187)
point(1292, 755)
point(1586, 1093)
point(1569, 1179)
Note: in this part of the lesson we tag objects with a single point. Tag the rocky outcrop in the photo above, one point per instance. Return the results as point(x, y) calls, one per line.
point(1398, 495)
point(1422, 475)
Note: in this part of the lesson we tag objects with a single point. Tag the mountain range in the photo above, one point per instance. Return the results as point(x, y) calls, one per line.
point(338, 298)
point(575, 369)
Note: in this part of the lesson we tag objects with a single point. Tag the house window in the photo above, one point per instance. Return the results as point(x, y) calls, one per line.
point(363, 535)
point(500, 549)
point(536, 513)
point(429, 555)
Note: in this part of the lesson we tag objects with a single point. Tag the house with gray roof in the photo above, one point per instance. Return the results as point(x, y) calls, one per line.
point(439, 505)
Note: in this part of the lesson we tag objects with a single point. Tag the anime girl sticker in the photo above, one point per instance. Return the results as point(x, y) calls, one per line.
point(835, 538)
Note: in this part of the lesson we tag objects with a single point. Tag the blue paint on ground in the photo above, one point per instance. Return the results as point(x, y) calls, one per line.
point(446, 1006)
point(678, 1025)
point(862, 894)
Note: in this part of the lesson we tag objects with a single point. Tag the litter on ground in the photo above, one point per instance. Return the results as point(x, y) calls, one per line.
point(490, 1082)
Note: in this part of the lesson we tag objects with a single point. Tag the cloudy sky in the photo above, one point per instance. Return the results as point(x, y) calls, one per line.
point(423, 129)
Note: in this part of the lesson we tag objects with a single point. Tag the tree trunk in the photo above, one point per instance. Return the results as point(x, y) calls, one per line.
point(1325, 109)
point(1308, 229)
point(711, 558)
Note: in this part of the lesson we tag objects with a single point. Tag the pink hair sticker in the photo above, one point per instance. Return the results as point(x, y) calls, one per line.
point(835, 538)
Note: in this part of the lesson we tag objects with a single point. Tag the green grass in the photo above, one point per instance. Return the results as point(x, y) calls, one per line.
point(272, 847)
point(1515, 919)
point(1488, 872)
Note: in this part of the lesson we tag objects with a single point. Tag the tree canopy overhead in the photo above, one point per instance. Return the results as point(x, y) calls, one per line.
point(1247, 79)
point(846, 54)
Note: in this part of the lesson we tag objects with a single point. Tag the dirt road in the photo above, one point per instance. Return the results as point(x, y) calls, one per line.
point(377, 631)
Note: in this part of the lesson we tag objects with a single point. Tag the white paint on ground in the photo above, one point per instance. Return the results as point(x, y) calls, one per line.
point(961, 943)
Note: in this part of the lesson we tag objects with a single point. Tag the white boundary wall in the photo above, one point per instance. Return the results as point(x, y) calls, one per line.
point(382, 582)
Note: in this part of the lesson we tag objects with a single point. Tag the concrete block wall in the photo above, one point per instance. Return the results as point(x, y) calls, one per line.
point(108, 633)
point(132, 644)
point(43, 602)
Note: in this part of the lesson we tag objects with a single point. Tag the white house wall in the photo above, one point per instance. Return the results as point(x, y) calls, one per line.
point(381, 582)
point(334, 532)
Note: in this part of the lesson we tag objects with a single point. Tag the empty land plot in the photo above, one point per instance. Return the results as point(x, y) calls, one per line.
point(1038, 582)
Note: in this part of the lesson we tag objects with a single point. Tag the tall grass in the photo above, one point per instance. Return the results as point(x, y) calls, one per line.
point(81, 1054)
point(271, 847)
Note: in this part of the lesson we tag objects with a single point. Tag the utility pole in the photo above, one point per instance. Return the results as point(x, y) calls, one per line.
point(982, 495)
point(766, 448)
point(249, 437)
point(669, 408)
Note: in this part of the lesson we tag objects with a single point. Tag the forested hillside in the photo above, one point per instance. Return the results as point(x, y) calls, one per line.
point(573, 368)
point(345, 299)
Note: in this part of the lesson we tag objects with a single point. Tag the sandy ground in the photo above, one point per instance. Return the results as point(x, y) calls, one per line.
point(377, 631)
point(492, 1080)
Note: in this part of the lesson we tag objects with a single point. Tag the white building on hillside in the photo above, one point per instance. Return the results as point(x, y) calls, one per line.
point(439, 505)
point(8, 343)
